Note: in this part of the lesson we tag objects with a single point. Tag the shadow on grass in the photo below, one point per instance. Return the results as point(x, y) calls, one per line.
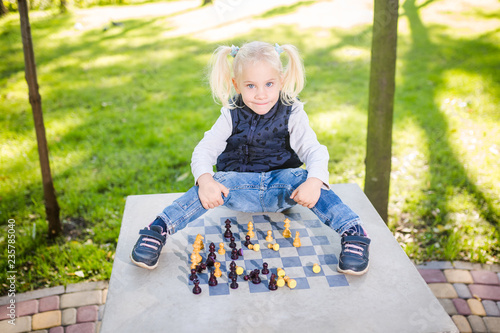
point(448, 177)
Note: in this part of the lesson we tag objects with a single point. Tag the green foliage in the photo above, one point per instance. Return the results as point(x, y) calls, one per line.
point(11, 5)
point(125, 107)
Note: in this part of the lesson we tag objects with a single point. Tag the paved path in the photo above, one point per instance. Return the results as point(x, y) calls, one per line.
point(470, 294)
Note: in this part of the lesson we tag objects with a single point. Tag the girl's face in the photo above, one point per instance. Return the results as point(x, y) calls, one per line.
point(259, 85)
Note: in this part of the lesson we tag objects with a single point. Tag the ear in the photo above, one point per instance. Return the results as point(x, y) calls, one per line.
point(235, 85)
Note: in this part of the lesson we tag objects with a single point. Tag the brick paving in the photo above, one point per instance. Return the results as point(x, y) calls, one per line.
point(76, 308)
point(469, 293)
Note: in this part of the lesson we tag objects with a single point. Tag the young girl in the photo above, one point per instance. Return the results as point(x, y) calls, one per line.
point(258, 144)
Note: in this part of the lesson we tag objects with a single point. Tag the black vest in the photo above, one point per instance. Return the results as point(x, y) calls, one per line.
point(259, 143)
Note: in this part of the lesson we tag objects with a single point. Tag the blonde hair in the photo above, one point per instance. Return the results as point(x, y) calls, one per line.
point(222, 72)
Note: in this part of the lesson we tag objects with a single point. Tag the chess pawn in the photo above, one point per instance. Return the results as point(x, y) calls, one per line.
point(196, 288)
point(287, 233)
point(291, 283)
point(193, 275)
point(265, 269)
point(217, 271)
point(269, 237)
point(234, 254)
point(274, 247)
point(234, 284)
point(212, 281)
point(250, 230)
point(296, 241)
point(232, 244)
point(247, 241)
point(221, 251)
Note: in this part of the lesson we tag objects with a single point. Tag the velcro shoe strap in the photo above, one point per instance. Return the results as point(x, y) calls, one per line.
point(153, 234)
point(357, 239)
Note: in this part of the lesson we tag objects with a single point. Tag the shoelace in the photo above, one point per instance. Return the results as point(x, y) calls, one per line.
point(356, 249)
point(147, 239)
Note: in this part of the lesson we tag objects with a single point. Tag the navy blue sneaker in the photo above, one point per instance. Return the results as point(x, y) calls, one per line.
point(355, 251)
point(147, 250)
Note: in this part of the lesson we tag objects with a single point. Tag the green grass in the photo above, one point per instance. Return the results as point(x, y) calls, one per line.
point(125, 107)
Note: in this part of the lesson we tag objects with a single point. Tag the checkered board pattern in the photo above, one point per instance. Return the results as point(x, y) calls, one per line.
point(297, 262)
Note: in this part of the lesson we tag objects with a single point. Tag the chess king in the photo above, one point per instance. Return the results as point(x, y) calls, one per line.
point(258, 145)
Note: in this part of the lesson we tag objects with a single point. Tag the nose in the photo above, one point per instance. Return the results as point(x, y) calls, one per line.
point(261, 94)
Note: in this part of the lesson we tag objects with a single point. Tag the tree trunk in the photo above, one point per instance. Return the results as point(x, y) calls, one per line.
point(51, 205)
point(3, 9)
point(381, 104)
point(63, 6)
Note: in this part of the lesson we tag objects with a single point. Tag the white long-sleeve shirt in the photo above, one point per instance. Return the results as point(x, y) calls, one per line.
point(303, 141)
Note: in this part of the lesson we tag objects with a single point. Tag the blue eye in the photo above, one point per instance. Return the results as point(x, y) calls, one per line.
point(250, 85)
point(269, 84)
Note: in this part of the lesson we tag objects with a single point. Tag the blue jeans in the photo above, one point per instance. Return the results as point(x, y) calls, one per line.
point(260, 192)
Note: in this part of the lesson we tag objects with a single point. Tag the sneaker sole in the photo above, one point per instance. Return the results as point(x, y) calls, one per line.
point(143, 265)
point(351, 272)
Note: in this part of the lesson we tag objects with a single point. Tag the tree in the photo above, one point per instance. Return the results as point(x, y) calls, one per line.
point(381, 104)
point(3, 9)
point(63, 6)
point(51, 205)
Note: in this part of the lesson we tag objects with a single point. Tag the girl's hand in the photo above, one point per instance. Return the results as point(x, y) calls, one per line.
point(307, 194)
point(209, 191)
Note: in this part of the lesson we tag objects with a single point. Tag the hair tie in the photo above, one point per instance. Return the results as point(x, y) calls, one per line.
point(234, 50)
point(278, 48)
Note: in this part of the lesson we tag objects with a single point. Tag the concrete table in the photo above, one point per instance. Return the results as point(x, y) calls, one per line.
point(390, 297)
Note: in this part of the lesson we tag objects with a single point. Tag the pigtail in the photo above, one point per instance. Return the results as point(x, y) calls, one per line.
point(293, 76)
point(220, 75)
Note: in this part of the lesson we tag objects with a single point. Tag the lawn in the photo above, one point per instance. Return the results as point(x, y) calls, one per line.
point(124, 108)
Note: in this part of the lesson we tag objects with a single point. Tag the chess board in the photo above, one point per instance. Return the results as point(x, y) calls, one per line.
point(390, 297)
point(317, 246)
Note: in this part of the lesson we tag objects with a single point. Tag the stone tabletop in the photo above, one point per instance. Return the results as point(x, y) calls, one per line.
point(391, 297)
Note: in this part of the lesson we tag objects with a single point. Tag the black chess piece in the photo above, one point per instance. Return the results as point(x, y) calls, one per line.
point(210, 261)
point(232, 244)
point(196, 288)
point(201, 267)
point(212, 282)
point(272, 283)
point(255, 277)
point(211, 256)
point(247, 241)
point(265, 269)
point(193, 275)
point(232, 270)
point(228, 232)
point(234, 254)
point(234, 285)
